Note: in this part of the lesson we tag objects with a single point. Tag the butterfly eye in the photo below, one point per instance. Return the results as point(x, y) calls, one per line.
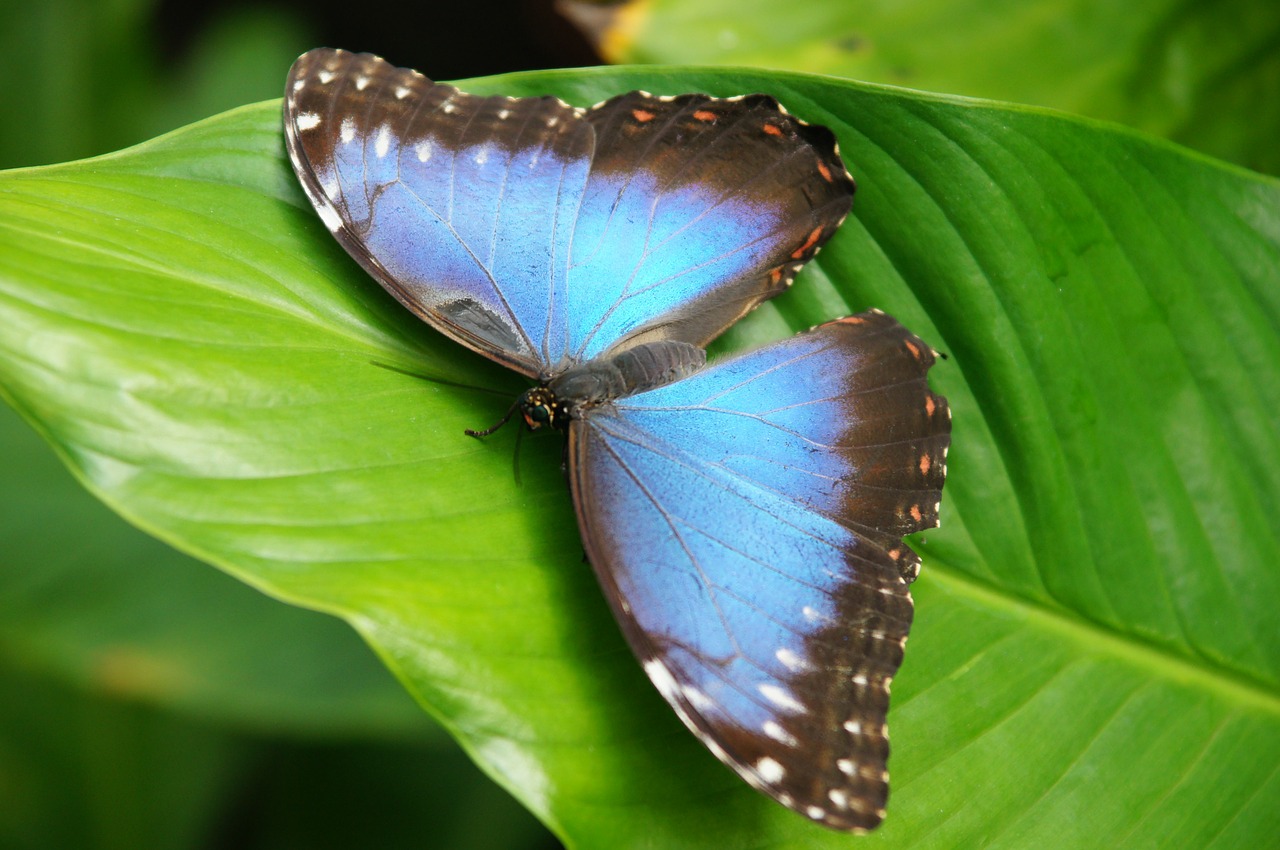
point(541, 415)
point(538, 407)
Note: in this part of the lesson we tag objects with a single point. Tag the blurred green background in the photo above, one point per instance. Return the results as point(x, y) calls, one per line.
point(147, 700)
point(1203, 73)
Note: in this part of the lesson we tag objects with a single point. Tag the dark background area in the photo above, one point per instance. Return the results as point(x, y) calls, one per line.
point(85, 77)
point(445, 40)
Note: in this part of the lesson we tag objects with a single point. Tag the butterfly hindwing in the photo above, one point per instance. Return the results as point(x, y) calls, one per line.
point(542, 235)
point(737, 520)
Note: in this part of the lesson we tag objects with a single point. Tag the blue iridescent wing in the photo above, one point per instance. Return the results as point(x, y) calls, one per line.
point(697, 209)
point(543, 235)
point(746, 524)
point(461, 206)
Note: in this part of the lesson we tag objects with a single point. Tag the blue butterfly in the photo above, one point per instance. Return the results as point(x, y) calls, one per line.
point(745, 518)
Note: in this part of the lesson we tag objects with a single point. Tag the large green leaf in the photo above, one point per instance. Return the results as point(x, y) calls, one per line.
point(1187, 71)
point(113, 611)
point(1094, 652)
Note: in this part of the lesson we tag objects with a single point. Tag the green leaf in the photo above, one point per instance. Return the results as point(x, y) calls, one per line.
point(113, 611)
point(1203, 74)
point(1094, 652)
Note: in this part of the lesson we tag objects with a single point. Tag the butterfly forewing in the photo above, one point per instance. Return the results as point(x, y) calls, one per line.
point(543, 235)
point(698, 209)
point(461, 206)
point(736, 519)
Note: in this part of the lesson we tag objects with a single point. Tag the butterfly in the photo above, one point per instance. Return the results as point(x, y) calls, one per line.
point(744, 517)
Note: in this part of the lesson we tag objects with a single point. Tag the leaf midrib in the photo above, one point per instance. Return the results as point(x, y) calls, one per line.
point(1236, 687)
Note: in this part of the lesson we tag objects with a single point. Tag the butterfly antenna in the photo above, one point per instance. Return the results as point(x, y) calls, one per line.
point(503, 421)
point(432, 379)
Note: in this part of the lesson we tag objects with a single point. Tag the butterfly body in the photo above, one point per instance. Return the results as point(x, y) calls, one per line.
point(744, 517)
point(572, 394)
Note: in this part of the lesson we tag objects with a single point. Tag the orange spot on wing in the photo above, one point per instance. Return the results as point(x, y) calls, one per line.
point(773, 129)
point(913, 348)
point(928, 406)
point(824, 171)
point(925, 463)
point(704, 115)
point(915, 513)
point(775, 275)
point(808, 243)
point(642, 115)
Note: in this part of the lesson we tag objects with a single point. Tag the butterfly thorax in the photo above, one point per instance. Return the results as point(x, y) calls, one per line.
point(572, 393)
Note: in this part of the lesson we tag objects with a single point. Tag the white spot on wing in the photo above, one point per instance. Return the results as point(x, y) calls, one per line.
point(770, 771)
point(853, 726)
point(482, 156)
point(325, 77)
point(307, 121)
point(813, 615)
point(839, 798)
point(383, 142)
point(793, 662)
point(847, 767)
point(362, 82)
point(402, 92)
point(330, 217)
point(781, 698)
point(777, 733)
point(347, 131)
point(424, 151)
point(697, 698)
point(662, 679)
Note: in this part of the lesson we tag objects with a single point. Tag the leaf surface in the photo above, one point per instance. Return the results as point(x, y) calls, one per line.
point(1095, 650)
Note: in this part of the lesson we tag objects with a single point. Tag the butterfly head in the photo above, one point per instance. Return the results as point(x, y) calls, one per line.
point(541, 408)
